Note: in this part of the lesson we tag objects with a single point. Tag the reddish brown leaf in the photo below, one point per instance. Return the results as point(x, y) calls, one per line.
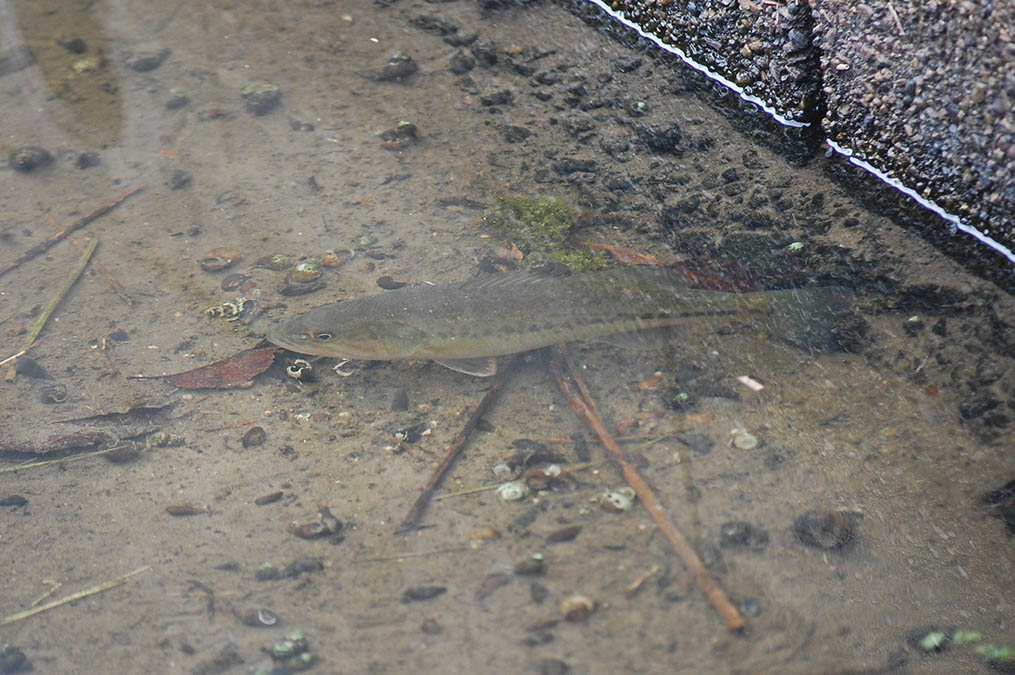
point(716, 275)
point(229, 372)
point(624, 255)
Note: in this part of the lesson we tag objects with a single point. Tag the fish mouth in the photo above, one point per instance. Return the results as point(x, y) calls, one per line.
point(276, 335)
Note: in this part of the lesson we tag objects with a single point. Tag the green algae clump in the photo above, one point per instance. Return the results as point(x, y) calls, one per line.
point(541, 228)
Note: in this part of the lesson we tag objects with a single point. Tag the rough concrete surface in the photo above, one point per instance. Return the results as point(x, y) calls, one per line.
point(923, 92)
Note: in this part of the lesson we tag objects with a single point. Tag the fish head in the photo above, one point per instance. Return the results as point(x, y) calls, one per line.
point(325, 331)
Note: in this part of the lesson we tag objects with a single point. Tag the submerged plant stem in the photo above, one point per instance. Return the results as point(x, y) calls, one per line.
point(585, 406)
point(412, 517)
point(73, 596)
point(51, 307)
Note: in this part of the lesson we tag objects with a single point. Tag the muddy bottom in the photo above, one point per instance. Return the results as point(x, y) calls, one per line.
point(838, 498)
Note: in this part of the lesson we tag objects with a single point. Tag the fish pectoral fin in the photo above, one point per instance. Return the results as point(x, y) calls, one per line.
point(483, 366)
point(651, 338)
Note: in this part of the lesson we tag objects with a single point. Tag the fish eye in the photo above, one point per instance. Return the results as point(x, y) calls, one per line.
point(324, 336)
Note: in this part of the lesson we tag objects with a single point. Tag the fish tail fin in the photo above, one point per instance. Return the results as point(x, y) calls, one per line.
point(810, 317)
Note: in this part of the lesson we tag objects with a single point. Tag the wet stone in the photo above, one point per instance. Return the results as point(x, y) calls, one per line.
point(422, 593)
point(13, 660)
point(485, 53)
point(460, 39)
point(399, 67)
point(254, 437)
point(461, 63)
point(502, 97)
point(741, 534)
point(53, 392)
point(563, 534)
point(269, 498)
point(699, 442)
point(554, 667)
point(177, 99)
point(29, 158)
point(261, 97)
point(662, 140)
point(514, 134)
point(88, 160)
point(74, 45)
point(570, 165)
point(180, 179)
point(29, 367)
point(431, 627)
point(302, 565)
point(828, 530)
point(144, 62)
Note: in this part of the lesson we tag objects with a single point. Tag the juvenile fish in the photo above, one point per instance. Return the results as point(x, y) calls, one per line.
point(464, 326)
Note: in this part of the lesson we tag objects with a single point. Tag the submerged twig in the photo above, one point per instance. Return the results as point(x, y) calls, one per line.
point(57, 298)
point(73, 596)
point(59, 460)
point(411, 519)
point(120, 289)
point(586, 407)
point(39, 249)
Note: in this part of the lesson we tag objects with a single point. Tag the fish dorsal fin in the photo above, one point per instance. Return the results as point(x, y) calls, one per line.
point(507, 280)
point(483, 366)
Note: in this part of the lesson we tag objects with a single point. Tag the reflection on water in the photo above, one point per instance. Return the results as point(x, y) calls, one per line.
point(296, 155)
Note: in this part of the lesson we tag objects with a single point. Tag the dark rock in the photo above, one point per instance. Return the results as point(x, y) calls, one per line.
point(570, 165)
point(180, 179)
point(74, 45)
point(503, 97)
point(741, 534)
point(87, 160)
point(261, 97)
point(421, 593)
point(12, 500)
point(29, 158)
point(662, 140)
point(514, 134)
point(461, 63)
point(434, 24)
point(828, 530)
point(147, 61)
point(485, 53)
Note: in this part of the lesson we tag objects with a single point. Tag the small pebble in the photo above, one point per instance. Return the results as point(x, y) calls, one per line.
point(253, 437)
point(29, 158)
point(421, 593)
point(741, 534)
point(269, 498)
point(88, 160)
point(563, 534)
point(53, 392)
point(148, 61)
point(261, 97)
point(828, 530)
point(180, 179)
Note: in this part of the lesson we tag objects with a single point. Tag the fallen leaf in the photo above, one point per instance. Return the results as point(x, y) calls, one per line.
point(624, 255)
point(229, 372)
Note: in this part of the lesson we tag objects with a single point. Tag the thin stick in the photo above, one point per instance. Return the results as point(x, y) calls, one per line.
point(120, 289)
point(588, 411)
point(411, 519)
point(412, 554)
point(59, 460)
point(73, 596)
point(487, 488)
point(39, 249)
point(13, 357)
point(12, 372)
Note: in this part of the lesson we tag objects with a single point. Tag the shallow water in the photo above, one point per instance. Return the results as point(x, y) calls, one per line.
point(905, 433)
